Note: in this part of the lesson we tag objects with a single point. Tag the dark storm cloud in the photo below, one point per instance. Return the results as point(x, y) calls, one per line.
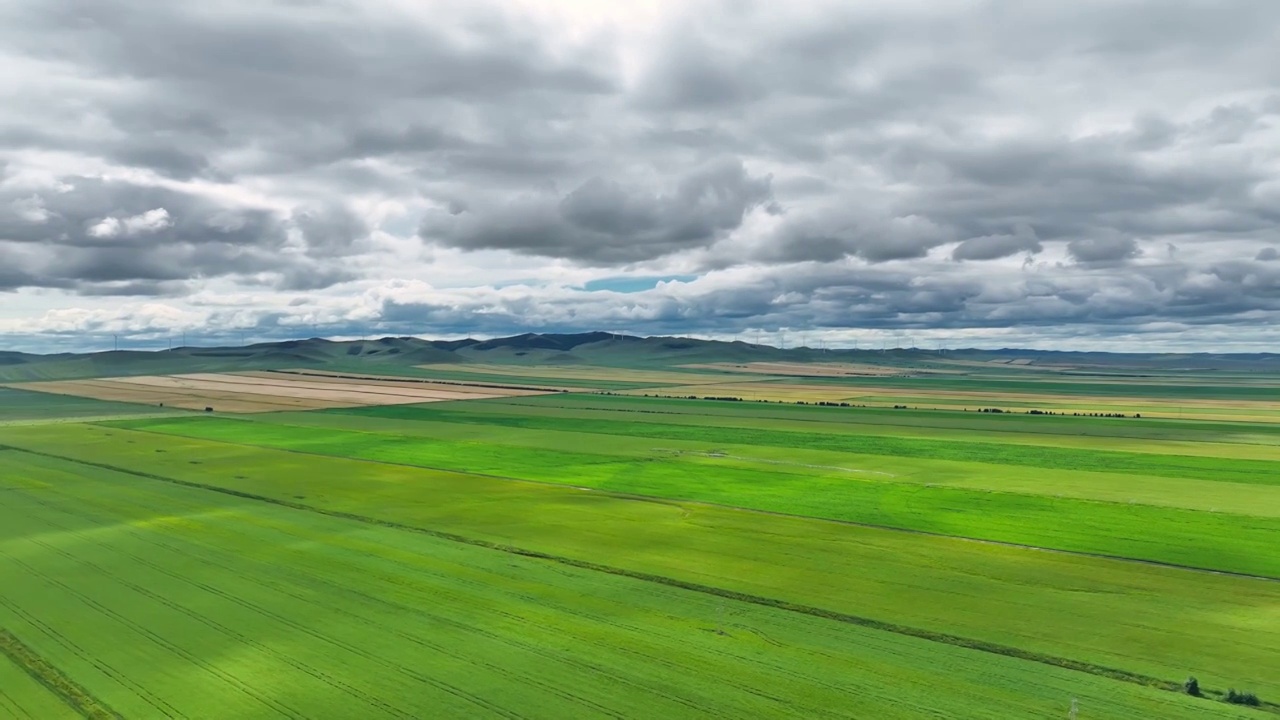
point(603, 221)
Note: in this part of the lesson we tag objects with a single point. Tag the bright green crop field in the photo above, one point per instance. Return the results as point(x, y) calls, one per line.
point(593, 555)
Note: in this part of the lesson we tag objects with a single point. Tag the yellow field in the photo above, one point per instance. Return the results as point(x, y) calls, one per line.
point(267, 391)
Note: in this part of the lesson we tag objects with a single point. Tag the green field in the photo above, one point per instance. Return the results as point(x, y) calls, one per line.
point(597, 555)
point(1199, 511)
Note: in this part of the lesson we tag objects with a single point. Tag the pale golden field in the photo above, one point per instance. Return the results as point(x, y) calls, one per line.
point(267, 391)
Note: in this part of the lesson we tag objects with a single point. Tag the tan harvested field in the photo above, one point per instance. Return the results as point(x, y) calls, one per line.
point(225, 401)
point(263, 392)
point(582, 372)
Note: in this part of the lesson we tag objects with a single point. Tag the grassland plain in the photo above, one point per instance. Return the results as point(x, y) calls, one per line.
point(1172, 388)
point(1164, 430)
point(1154, 621)
point(1143, 435)
point(167, 600)
point(1260, 472)
point(973, 500)
point(462, 440)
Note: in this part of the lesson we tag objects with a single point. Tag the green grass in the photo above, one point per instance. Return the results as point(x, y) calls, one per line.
point(167, 600)
point(1224, 440)
point(1151, 428)
point(1260, 472)
point(1153, 621)
point(739, 475)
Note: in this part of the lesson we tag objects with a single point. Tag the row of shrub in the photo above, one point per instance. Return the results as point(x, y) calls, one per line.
point(1233, 696)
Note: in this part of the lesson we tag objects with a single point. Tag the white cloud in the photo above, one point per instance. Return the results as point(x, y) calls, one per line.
point(147, 222)
point(105, 228)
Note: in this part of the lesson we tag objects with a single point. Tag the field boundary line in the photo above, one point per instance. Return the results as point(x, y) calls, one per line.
point(54, 680)
point(638, 497)
point(761, 600)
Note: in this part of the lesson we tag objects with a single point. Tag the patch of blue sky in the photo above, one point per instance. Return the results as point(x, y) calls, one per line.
point(633, 284)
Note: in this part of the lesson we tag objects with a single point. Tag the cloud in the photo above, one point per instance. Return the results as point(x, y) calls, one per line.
point(603, 221)
point(967, 168)
point(833, 234)
point(147, 222)
point(330, 230)
point(1103, 249)
point(993, 247)
point(30, 209)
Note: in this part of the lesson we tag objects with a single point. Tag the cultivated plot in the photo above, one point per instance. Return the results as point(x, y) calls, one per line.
point(865, 392)
point(1156, 622)
point(266, 391)
point(156, 599)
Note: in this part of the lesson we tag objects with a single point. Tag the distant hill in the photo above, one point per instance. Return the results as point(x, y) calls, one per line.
point(403, 354)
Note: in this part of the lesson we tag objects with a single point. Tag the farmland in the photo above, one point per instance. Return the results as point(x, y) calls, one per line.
point(459, 540)
point(266, 391)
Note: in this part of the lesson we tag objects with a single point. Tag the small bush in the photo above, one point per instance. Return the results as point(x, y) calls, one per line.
point(1242, 698)
point(1192, 686)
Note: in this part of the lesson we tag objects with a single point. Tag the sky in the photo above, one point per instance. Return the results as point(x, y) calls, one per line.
point(1083, 174)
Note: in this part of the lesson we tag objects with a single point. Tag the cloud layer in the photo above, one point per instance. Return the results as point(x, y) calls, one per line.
point(992, 172)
